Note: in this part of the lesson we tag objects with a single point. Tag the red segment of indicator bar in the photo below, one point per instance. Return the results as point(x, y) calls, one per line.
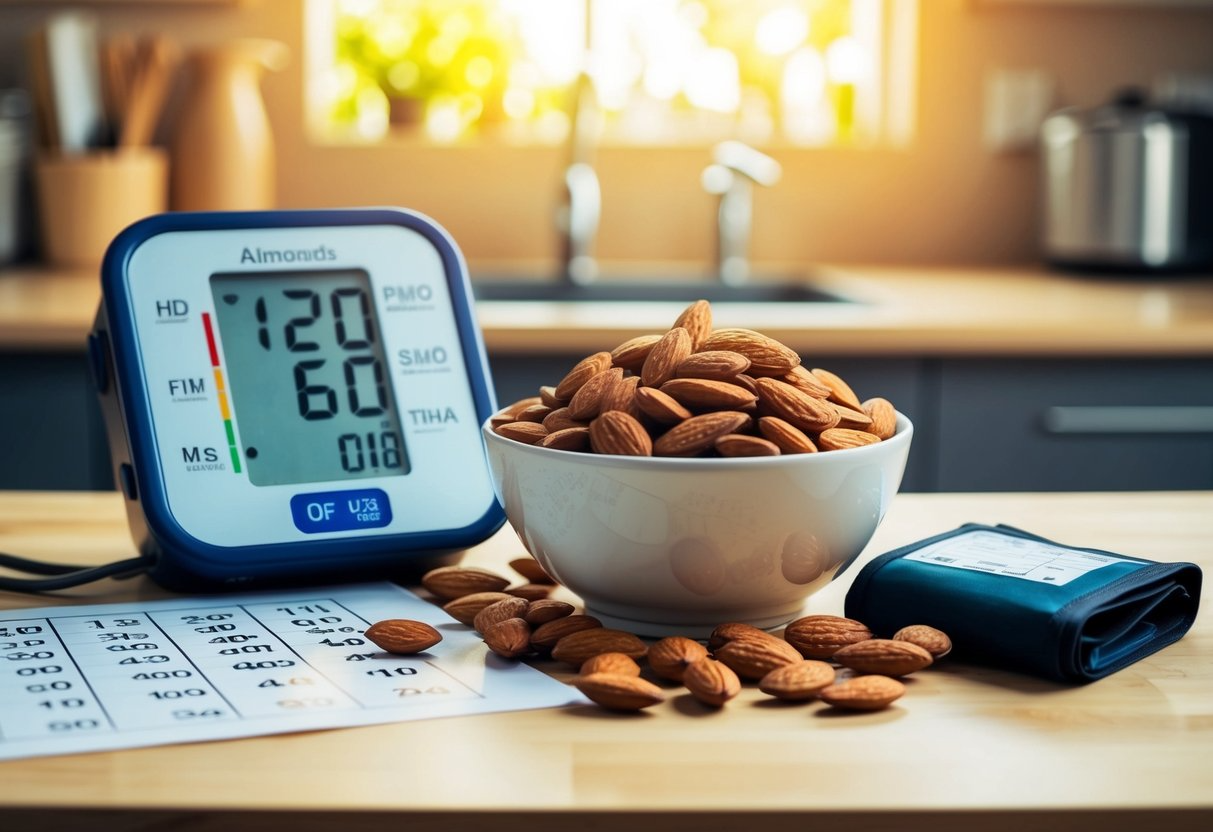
point(210, 338)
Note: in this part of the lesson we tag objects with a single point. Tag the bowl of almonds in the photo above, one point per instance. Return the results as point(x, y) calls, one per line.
point(697, 475)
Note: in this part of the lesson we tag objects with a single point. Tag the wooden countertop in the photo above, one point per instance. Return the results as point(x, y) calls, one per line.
point(966, 748)
point(918, 311)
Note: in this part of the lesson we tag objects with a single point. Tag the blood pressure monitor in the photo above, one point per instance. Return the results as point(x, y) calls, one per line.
point(292, 395)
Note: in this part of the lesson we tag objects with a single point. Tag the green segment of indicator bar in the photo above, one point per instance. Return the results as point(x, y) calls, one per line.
point(231, 445)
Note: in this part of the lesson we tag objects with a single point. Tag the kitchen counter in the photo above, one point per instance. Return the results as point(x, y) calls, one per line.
point(903, 311)
point(966, 748)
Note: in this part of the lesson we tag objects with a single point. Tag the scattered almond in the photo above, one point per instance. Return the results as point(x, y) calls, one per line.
point(509, 639)
point(884, 656)
point(531, 592)
point(582, 371)
point(630, 355)
point(790, 439)
point(569, 439)
point(671, 656)
point(798, 681)
point(863, 693)
point(403, 636)
point(547, 396)
point(739, 444)
point(530, 569)
point(586, 402)
point(795, 407)
point(528, 433)
point(576, 648)
point(617, 663)
point(708, 394)
point(837, 439)
point(661, 407)
point(696, 319)
point(547, 609)
point(560, 419)
point(711, 682)
point(821, 636)
point(840, 391)
point(545, 636)
point(753, 658)
point(618, 692)
point(767, 356)
point(698, 433)
point(499, 611)
point(732, 630)
point(464, 608)
point(451, 582)
point(883, 416)
point(721, 365)
point(935, 642)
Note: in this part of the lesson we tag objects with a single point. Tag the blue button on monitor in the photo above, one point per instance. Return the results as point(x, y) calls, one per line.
point(341, 511)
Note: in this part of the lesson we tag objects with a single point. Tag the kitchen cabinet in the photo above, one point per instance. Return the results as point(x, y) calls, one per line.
point(1110, 425)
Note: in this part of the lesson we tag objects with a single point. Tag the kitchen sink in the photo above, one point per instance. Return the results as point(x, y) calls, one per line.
point(631, 289)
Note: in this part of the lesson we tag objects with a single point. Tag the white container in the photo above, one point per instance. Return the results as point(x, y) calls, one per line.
point(665, 546)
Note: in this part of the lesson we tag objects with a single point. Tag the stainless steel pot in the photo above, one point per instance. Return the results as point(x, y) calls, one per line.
point(1128, 186)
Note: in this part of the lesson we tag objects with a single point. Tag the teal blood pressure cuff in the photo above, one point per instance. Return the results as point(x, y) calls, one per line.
point(1021, 602)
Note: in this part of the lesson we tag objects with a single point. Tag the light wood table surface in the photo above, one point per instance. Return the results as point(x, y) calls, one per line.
point(967, 748)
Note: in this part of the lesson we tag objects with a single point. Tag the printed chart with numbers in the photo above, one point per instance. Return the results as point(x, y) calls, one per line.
point(104, 677)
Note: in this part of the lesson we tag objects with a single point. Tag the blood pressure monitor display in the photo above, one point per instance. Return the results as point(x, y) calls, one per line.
point(293, 394)
point(308, 376)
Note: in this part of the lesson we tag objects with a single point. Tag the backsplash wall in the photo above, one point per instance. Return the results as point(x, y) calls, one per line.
point(942, 199)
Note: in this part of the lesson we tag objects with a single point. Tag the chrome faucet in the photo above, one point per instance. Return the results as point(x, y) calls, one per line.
point(580, 209)
point(734, 171)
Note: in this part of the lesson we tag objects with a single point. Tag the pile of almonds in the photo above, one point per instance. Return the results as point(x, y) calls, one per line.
point(836, 660)
point(696, 391)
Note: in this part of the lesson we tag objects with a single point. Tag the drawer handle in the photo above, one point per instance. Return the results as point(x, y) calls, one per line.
point(1117, 419)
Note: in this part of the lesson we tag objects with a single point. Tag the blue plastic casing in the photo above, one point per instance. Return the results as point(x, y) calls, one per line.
point(178, 559)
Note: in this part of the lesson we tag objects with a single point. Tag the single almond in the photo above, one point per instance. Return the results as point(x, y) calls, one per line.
point(732, 630)
point(839, 439)
point(803, 380)
point(499, 419)
point(739, 444)
point(547, 609)
point(789, 439)
point(708, 394)
point(509, 639)
point(517, 407)
point(534, 413)
point(721, 365)
point(530, 592)
point(852, 419)
point(451, 582)
point(546, 635)
point(799, 409)
point(840, 391)
point(884, 656)
point(582, 371)
point(464, 608)
point(767, 356)
point(665, 357)
point(883, 416)
point(797, 682)
point(529, 433)
point(547, 396)
point(711, 682)
point(615, 432)
point(586, 401)
point(696, 319)
point(531, 569)
point(617, 663)
point(670, 656)
point(863, 693)
point(568, 439)
point(753, 658)
point(576, 648)
point(821, 636)
point(618, 692)
point(511, 607)
point(659, 406)
point(559, 419)
point(403, 636)
point(621, 395)
point(935, 642)
point(630, 355)
point(698, 433)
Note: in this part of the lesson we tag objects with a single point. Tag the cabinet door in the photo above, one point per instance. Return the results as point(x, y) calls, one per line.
point(1083, 425)
point(51, 421)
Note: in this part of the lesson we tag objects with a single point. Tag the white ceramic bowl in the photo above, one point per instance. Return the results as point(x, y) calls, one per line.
point(668, 546)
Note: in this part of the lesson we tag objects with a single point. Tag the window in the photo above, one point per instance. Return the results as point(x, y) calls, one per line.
point(811, 73)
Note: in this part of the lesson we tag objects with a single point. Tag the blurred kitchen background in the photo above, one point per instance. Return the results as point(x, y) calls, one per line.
point(892, 134)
